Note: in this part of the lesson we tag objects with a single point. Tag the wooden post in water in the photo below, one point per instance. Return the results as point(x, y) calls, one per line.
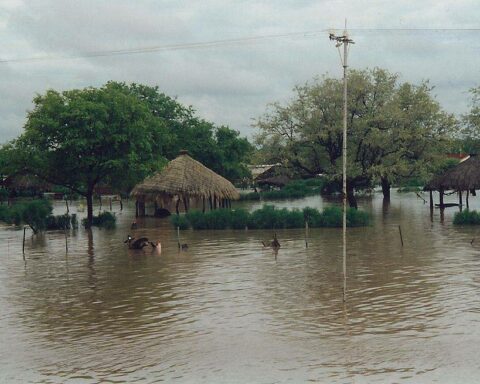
point(466, 200)
point(431, 200)
point(66, 203)
point(306, 233)
point(23, 244)
point(441, 199)
point(66, 239)
point(121, 204)
point(100, 200)
point(110, 204)
point(460, 202)
point(178, 237)
point(400, 231)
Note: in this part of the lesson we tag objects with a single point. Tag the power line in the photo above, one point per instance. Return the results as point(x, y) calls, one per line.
point(170, 47)
point(220, 43)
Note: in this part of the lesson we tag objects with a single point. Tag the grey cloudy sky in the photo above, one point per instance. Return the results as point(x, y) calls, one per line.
point(230, 84)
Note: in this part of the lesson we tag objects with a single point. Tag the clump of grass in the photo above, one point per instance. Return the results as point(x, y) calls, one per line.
point(466, 217)
point(269, 217)
point(104, 220)
point(65, 221)
point(179, 221)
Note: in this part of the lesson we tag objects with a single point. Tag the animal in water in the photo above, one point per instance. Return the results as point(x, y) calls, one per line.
point(136, 243)
point(275, 244)
point(183, 246)
point(134, 225)
point(156, 245)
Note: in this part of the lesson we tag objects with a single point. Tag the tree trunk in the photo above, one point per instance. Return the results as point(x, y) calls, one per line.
point(352, 201)
point(386, 189)
point(89, 197)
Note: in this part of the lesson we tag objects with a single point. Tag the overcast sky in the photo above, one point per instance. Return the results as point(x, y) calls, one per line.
point(233, 83)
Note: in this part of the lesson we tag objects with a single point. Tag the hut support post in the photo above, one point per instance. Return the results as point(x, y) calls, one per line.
point(141, 208)
point(136, 208)
point(441, 198)
point(210, 202)
point(466, 200)
point(185, 203)
point(203, 207)
point(176, 205)
point(460, 202)
point(431, 200)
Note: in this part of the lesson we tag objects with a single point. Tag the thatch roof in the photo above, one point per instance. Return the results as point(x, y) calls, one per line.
point(26, 181)
point(185, 177)
point(464, 176)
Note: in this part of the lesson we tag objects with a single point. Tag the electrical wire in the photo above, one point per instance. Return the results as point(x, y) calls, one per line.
point(222, 43)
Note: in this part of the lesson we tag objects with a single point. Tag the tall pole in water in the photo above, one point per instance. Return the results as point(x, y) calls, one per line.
point(344, 40)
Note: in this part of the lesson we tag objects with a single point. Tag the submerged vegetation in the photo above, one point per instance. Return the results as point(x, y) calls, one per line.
point(293, 190)
point(466, 217)
point(104, 220)
point(269, 217)
point(37, 214)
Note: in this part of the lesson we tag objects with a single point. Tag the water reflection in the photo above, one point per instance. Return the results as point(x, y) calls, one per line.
point(228, 310)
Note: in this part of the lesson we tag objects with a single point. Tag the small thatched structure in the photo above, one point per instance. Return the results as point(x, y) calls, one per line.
point(275, 181)
point(463, 177)
point(185, 179)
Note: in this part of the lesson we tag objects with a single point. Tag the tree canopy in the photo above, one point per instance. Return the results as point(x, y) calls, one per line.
point(394, 129)
point(116, 134)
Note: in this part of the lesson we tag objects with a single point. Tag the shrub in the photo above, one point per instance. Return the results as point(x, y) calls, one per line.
point(65, 221)
point(179, 221)
point(33, 213)
point(269, 217)
point(466, 218)
point(104, 220)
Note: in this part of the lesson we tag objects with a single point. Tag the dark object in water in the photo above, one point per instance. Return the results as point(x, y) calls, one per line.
point(162, 212)
point(447, 205)
point(182, 246)
point(134, 225)
point(136, 243)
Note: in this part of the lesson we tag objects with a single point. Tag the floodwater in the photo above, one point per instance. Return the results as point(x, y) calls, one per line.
point(228, 311)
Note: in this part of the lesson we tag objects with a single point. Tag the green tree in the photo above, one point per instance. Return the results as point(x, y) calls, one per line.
point(394, 129)
point(469, 137)
point(80, 138)
point(219, 148)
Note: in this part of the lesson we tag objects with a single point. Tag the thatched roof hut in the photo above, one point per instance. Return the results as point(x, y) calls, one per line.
point(184, 178)
point(275, 181)
point(463, 177)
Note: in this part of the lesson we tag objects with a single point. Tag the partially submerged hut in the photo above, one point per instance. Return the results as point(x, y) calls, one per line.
point(274, 181)
point(463, 177)
point(185, 180)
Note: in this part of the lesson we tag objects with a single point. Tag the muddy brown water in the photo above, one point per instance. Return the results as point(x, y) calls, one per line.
point(228, 311)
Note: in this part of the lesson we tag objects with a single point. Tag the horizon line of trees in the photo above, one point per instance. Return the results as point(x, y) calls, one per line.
point(397, 131)
point(120, 133)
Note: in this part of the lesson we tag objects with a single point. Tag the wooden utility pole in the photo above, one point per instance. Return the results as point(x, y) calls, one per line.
point(345, 41)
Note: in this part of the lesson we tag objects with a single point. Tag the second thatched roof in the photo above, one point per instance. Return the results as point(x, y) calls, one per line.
point(464, 176)
point(185, 177)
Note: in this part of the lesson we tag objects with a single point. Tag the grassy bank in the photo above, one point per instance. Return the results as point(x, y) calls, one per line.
point(269, 217)
point(294, 190)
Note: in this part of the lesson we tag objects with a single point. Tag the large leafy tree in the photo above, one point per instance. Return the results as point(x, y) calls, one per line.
point(81, 138)
point(219, 148)
point(394, 131)
point(469, 137)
